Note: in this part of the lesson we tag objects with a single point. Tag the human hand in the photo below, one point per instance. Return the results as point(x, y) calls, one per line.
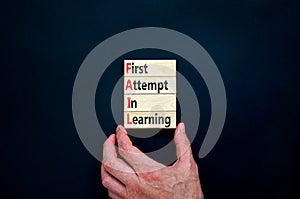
point(142, 177)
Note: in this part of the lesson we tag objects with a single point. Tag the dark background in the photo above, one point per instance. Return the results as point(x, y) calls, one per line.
point(255, 44)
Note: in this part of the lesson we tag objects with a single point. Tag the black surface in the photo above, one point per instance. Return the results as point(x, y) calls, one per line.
point(255, 45)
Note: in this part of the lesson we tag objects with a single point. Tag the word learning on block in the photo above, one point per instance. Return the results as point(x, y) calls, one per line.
point(149, 94)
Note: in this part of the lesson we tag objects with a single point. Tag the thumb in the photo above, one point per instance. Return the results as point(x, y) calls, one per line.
point(183, 146)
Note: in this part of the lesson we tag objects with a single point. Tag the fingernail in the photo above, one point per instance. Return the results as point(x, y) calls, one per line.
point(120, 128)
point(182, 128)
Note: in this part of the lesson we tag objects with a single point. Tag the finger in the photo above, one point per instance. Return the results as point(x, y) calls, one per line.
point(115, 166)
point(112, 184)
point(109, 150)
point(114, 196)
point(183, 146)
point(137, 159)
point(125, 142)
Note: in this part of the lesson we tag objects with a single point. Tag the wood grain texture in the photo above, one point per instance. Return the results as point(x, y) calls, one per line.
point(163, 102)
point(149, 93)
point(154, 68)
point(158, 119)
point(145, 83)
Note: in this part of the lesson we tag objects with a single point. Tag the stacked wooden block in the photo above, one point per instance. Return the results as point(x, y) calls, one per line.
point(150, 93)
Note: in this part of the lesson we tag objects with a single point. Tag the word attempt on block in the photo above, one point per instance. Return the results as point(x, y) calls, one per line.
point(150, 93)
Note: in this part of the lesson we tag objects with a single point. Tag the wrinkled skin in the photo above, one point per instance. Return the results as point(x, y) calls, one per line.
point(141, 177)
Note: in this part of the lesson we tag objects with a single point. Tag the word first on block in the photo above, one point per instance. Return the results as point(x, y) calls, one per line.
point(149, 94)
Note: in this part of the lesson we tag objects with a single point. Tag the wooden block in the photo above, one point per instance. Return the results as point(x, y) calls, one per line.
point(150, 119)
point(151, 85)
point(150, 93)
point(149, 68)
point(150, 102)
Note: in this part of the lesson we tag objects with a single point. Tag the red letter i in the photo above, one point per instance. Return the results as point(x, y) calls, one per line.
point(128, 102)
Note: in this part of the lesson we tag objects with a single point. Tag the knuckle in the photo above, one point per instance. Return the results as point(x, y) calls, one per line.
point(124, 150)
point(107, 165)
point(110, 194)
point(105, 182)
point(195, 166)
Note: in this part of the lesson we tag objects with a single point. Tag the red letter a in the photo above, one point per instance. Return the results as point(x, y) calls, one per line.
point(128, 85)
